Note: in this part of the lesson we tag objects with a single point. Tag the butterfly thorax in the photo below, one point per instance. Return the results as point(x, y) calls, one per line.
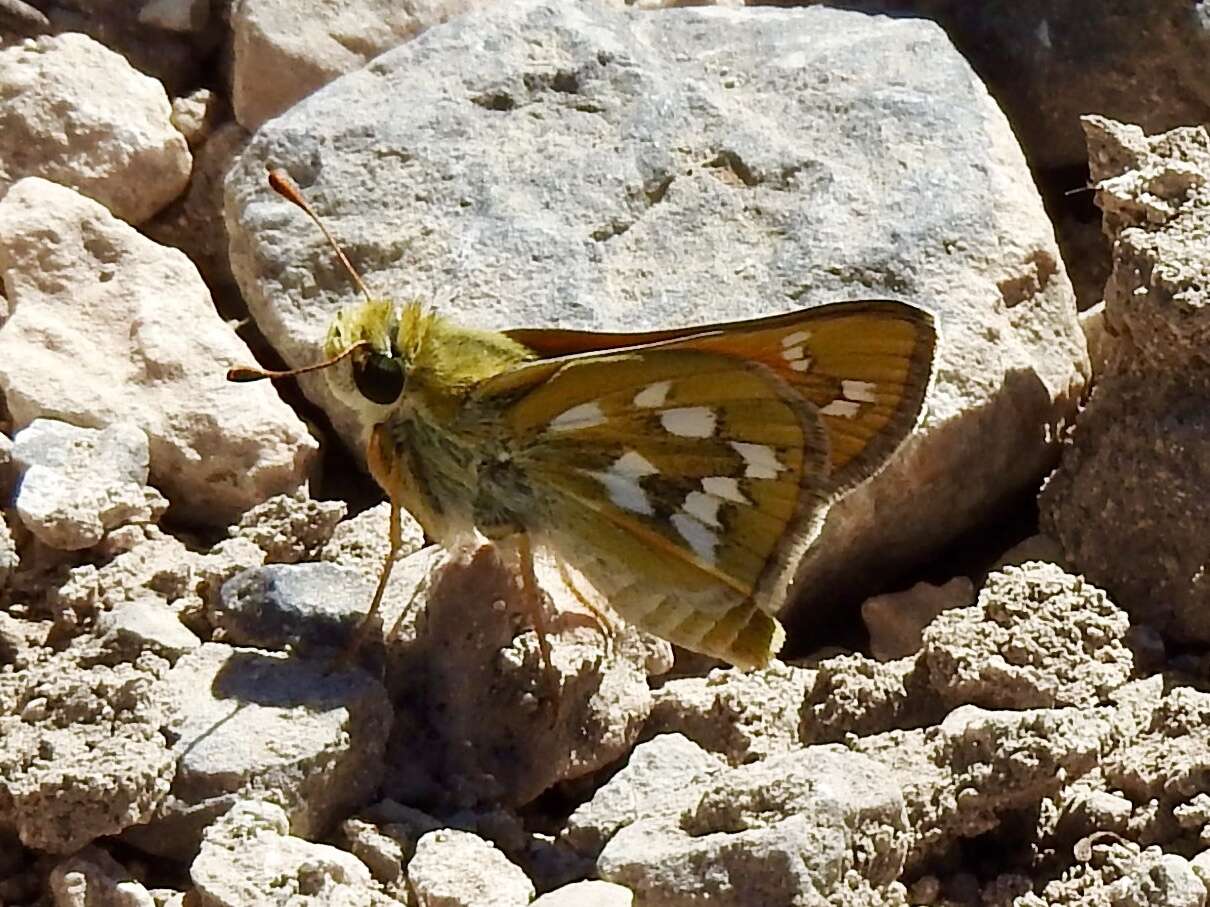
point(445, 454)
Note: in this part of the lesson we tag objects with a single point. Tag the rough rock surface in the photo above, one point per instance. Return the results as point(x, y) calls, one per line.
point(78, 483)
point(91, 297)
point(659, 779)
point(478, 718)
point(249, 857)
point(255, 724)
point(960, 777)
point(364, 540)
point(741, 716)
point(457, 869)
point(292, 605)
point(290, 527)
point(75, 112)
point(787, 831)
point(733, 163)
point(1121, 873)
point(9, 558)
point(1160, 764)
point(92, 878)
point(146, 624)
point(587, 894)
point(281, 57)
point(1037, 637)
point(1127, 502)
point(82, 747)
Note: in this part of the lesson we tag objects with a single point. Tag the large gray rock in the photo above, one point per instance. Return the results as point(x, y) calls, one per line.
point(654, 169)
point(280, 56)
point(1128, 503)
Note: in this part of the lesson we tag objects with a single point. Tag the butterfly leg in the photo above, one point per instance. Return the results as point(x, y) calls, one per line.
point(604, 624)
point(384, 575)
point(531, 599)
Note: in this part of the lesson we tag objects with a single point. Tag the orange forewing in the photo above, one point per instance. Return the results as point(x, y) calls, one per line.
point(879, 351)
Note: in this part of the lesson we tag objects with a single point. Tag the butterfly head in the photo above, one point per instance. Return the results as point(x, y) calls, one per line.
point(369, 353)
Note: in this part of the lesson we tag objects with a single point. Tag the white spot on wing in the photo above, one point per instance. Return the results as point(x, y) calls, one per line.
point(760, 460)
point(860, 391)
point(689, 421)
point(621, 482)
point(801, 365)
point(586, 415)
point(846, 409)
point(725, 487)
point(652, 395)
point(700, 538)
point(794, 352)
point(796, 338)
point(703, 506)
point(633, 463)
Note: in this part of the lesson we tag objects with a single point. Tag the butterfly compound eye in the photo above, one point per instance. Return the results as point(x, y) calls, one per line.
point(379, 378)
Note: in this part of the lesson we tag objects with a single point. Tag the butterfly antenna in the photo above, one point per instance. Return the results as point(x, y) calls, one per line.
point(281, 183)
point(244, 373)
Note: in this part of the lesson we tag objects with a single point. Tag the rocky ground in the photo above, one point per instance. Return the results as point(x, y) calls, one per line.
point(997, 689)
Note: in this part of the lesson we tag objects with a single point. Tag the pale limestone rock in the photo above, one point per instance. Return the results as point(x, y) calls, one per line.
point(79, 483)
point(790, 830)
point(741, 715)
point(959, 778)
point(1037, 637)
point(363, 541)
point(659, 779)
point(249, 857)
point(75, 112)
point(281, 57)
point(1127, 502)
point(196, 116)
point(108, 326)
point(587, 894)
point(146, 624)
point(82, 751)
point(458, 869)
point(252, 724)
point(290, 527)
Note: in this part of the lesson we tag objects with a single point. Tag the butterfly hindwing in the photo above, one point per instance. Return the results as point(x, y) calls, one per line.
point(691, 471)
